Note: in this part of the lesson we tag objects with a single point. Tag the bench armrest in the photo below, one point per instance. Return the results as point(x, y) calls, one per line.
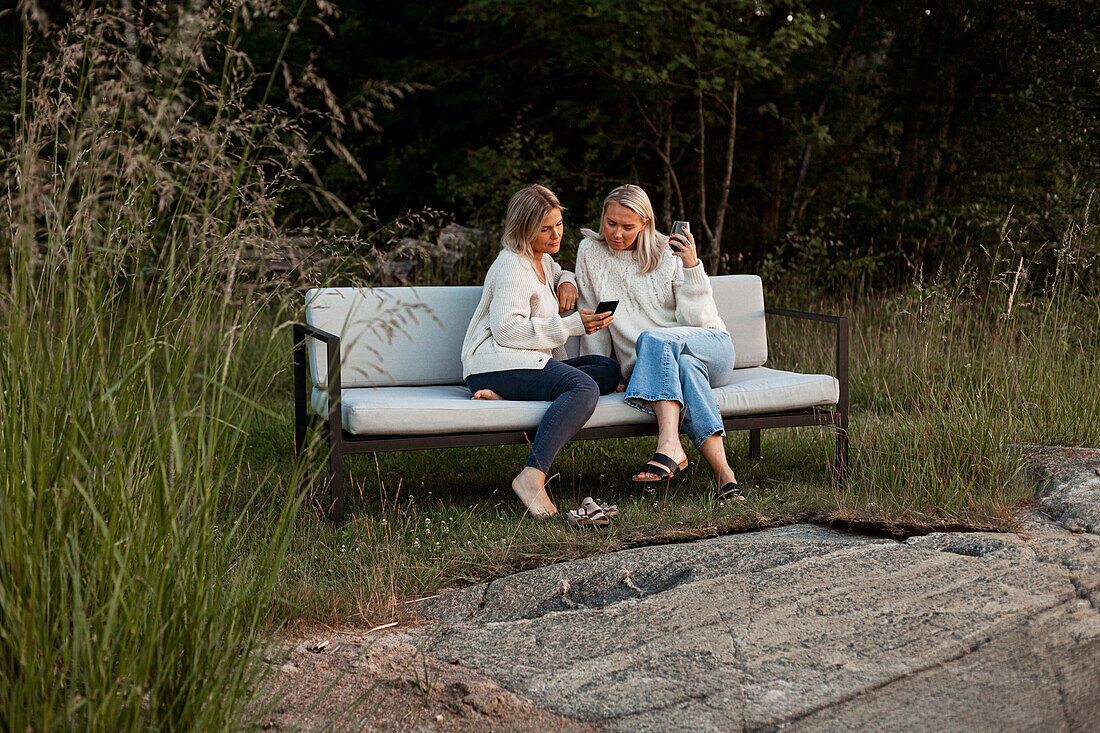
point(315, 332)
point(841, 323)
point(302, 331)
point(804, 315)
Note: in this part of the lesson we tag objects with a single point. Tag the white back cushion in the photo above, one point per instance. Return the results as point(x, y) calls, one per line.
point(740, 301)
point(392, 336)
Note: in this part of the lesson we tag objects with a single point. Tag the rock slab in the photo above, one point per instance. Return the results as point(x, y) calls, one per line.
point(805, 628)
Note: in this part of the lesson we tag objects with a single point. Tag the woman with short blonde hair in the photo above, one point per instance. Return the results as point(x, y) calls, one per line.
point(526, 210)
point(515, 345)
point(667, 336)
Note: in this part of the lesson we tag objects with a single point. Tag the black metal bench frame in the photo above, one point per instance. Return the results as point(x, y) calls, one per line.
point(342, 443)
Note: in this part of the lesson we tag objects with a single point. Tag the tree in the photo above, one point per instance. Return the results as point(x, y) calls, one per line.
point(683, 89)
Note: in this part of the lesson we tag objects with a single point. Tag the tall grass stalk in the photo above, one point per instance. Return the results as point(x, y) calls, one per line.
point(130, 359)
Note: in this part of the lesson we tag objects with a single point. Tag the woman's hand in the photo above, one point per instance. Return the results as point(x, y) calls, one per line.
point(684, 248)
point(595, 321)
point(567, 297)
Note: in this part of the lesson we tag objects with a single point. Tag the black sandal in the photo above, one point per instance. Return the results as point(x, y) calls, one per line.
point(730, 492)
point(662, 466)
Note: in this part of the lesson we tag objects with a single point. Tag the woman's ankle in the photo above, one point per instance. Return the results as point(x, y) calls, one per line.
point(672, 448)
point(725, 476)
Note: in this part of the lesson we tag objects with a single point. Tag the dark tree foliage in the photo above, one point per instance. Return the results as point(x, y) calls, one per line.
point(847, 140)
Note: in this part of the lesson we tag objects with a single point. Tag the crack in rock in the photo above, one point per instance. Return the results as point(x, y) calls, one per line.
point(1082, 592)
point(484, 599)
point(602, 591)
point(564, 596)
point(630, 584)
point(1059, 685)
point(701, 697)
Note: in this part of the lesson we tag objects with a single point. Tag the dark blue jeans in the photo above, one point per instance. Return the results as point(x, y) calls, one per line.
point(572, 386)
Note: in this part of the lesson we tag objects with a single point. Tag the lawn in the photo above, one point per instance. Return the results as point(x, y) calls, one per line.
point(943, 388)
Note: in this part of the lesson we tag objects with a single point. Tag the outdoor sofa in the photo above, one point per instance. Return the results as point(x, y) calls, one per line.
point(381, 368)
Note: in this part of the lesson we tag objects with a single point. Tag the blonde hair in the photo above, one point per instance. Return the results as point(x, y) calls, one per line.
point(650, 245)
point(526, 210)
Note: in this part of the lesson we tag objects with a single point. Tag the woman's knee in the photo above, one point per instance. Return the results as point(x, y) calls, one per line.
point(650, 339)
point(585, 384)
point(570, 378)
point(585, 390)
point(691, 367)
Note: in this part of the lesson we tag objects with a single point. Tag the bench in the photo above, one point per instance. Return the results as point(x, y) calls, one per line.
point(381, 368)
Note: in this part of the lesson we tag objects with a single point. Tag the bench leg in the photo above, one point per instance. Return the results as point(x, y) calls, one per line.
point(301, 437)
point(841, 455)
point(754, 444)
point(336, 486)
point(301, 393)
point(301, 430)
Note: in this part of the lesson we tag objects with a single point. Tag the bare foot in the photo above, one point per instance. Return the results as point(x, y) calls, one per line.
point(673, 450)
point(530, 487)
point(486, 394)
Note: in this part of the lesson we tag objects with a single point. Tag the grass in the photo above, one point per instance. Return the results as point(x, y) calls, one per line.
point(152, 538)
point(945, 381)
point(130, 596)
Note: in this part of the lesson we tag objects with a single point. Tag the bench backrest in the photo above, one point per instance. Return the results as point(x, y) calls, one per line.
point(393, 337)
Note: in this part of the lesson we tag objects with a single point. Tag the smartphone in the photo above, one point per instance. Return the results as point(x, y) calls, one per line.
point(607, 306)
point(681, 228)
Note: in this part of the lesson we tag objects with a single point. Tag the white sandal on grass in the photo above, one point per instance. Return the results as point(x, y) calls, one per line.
point(591, 505)
point(579, 518)
point(590, 514)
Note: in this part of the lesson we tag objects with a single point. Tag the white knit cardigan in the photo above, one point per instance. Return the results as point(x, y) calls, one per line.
point(669, 296)
point(516, 324)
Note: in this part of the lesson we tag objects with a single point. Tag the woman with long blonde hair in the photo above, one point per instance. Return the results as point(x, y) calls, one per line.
point(514, 346)
point(670, 342)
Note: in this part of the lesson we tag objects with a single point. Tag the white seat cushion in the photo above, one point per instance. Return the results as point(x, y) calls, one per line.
point(392, 411)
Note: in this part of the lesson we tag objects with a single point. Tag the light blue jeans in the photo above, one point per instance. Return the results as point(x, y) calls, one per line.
point(682, 364)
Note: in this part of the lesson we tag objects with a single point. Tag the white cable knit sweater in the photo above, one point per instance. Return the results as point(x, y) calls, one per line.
point(669, 296)
point(516, 324)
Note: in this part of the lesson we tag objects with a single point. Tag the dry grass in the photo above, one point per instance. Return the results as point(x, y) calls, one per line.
point(142, 160)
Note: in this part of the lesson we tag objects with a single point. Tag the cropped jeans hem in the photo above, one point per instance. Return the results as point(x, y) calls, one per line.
point(682, 365)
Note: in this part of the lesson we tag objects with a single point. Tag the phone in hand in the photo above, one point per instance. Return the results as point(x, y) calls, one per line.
point(607, 306)
point(681, 228)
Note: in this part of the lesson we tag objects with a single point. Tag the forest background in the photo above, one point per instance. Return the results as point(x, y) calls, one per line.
point(853, 143)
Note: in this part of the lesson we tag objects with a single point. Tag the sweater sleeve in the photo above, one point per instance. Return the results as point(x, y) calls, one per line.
point(561, 276)
point(694, 298)
point(512, 324)
point(599, 342)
